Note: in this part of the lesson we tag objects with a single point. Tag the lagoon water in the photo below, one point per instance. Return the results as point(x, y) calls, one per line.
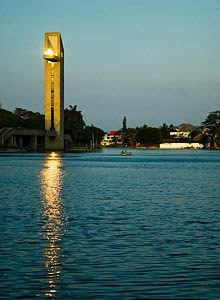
point(102, 226)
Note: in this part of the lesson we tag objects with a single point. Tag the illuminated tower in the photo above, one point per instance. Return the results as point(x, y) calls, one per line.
point(54, 91)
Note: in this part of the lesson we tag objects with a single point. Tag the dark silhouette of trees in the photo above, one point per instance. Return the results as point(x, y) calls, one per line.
point(148, 135)
point(8, 119)
point(30, 119)
point(91, 134)
point(128, 137)
point(165, 131)
point(212, 126)
point(21, 118)
point(172, 127)
point(73, 121)
point(212, 122)
point(75, 125)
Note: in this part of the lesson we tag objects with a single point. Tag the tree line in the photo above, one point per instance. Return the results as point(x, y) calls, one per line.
point(208, 133)
point(74, 123)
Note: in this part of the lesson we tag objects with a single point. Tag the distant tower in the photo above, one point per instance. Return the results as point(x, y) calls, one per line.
point(54, 91)
point(124, 128)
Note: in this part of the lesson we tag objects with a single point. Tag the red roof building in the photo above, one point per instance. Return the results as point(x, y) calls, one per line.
point(113, 132)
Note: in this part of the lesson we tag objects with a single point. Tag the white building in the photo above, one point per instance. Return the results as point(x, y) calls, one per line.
point(179, 134)
point(181, 146)
point(112, 138)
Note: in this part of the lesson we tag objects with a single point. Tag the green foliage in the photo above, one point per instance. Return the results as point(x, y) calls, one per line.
point(128, 137)
point(76, 127)
point(23, 113)
point(195, 133)
point(172, 127)
point(91, 133)
point(165, 131)
point(21, 118)
point(73, 121)
point(148, 135)
point(8, 119)
point(212, 128)
point(212, 122)
point(30, 119)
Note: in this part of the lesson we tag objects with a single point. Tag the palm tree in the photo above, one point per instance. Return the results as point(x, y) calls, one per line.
point(73, 121)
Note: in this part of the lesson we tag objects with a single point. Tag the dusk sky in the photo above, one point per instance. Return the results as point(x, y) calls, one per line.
point(153, 61)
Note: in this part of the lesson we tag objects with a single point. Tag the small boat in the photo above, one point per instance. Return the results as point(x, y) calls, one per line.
point(125, 153)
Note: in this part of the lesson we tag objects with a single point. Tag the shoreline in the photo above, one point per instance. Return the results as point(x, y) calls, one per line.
point(8, 151)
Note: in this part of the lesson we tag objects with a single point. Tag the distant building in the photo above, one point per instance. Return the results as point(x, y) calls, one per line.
point(112, 138)
point(179, 134)
point(181, 146)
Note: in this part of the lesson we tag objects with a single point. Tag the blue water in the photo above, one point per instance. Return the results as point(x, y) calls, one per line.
point(102, 226)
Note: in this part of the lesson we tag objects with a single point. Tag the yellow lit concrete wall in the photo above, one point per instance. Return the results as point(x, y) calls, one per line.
point(53, 42)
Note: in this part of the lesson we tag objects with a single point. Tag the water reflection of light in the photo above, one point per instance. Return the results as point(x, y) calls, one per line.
point(51, 178)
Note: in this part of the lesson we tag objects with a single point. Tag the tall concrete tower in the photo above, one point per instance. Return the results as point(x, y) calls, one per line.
point(54, 91)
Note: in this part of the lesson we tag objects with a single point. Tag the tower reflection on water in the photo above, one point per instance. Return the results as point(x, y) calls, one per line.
point(51, 178)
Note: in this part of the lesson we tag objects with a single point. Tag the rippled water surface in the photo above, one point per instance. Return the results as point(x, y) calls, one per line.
point(102, 226)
